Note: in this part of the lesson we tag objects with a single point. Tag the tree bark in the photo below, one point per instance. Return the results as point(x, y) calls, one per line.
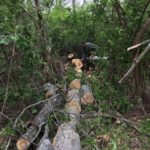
point(75, 84)
point(143, 12)
point(142, 31)
point(25, 140)
point(138, 45)
point(135, 63)
point(45, 143)
point(66, 137)
point(120, 14)
point(73, 107)
point(139, 81)
point(86, 95)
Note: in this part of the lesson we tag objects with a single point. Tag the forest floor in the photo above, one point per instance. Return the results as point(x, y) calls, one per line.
point(96, 130)
point(128, 132)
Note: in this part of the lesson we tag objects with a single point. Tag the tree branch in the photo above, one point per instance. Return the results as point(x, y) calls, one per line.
point(138, 45)
point(135, 63)
point(120, 14)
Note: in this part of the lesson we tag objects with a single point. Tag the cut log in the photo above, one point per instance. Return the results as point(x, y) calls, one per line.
point(50, 90)
point(22, 144)
point(75, 84)
point(78, 64)
point(73, 95)
point(26, 139)
point(73, 107)
point(86, 95)
point(66, 138)
point(48, 107)
point(45, 143)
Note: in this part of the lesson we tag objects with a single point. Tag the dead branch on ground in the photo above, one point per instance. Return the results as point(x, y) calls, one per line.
point(32, 132)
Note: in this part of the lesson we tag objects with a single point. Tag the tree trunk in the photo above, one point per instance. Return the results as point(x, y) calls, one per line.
point(66, 137)
point(45, 143)
point(25, 140)
point(120, 14)
point(139, 79)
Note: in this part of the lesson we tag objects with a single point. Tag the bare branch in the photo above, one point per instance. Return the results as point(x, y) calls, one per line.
point(120, 13)
point(7, 117)
point(42, 101)
point(9, 141)
point(138, 45)
point(135, 63)
point(45, 143)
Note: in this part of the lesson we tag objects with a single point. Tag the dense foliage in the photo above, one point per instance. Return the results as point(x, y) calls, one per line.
point(29, 31)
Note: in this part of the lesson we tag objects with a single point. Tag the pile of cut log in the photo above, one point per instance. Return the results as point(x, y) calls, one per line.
point(66, 137)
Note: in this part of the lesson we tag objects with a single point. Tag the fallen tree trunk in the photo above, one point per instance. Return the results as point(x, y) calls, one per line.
point(73, 107)
point(66, 137)
point(45, 143)
point(25, 140)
